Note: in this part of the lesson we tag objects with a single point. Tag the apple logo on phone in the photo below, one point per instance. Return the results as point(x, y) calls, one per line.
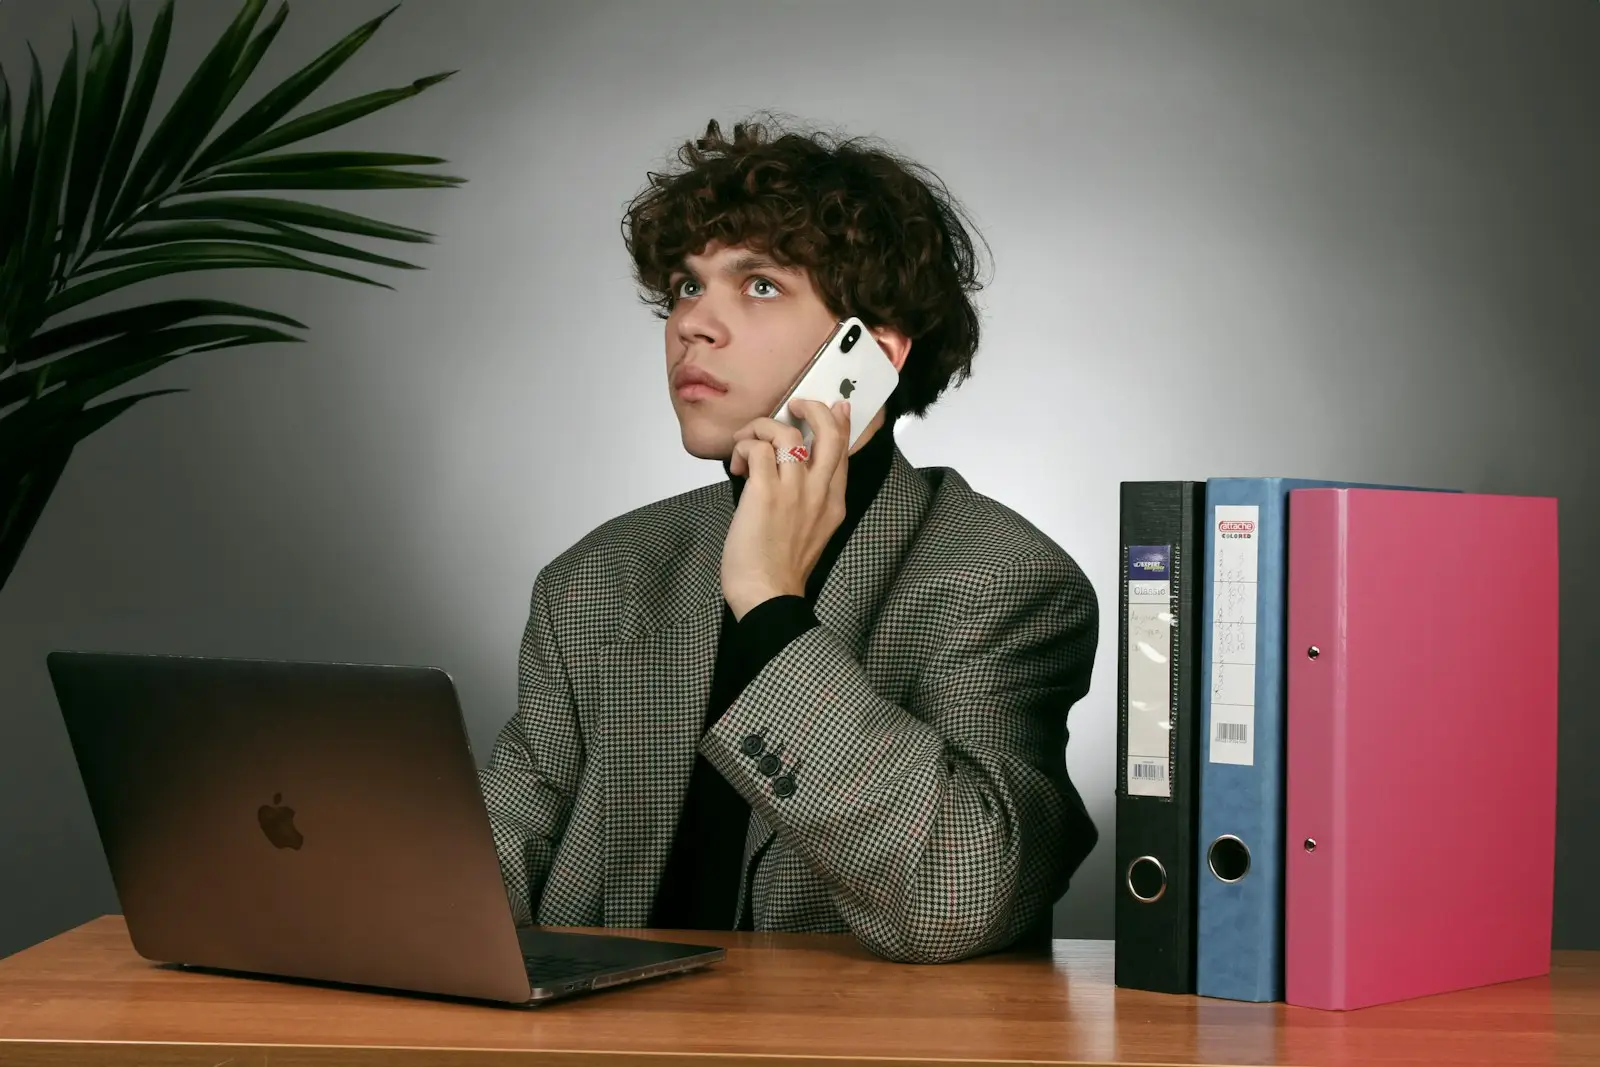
point(277, 822)
point(846, 387)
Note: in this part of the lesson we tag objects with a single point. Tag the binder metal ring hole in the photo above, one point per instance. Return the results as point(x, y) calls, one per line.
point(1311, 844)
point(1147, 879)
point(1313, 652)
point(1229, 858)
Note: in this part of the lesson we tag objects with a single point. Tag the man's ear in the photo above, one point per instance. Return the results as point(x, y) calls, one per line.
point(895, 344)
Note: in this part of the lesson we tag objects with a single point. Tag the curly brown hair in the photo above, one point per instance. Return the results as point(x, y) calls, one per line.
point(879, 235)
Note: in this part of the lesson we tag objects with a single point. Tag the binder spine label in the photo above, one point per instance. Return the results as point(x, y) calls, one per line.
point(1152, 614)
point(1236, 537)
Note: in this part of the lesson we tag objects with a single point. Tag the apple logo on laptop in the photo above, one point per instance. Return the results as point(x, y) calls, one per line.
point(277, 821)
point(846, 387)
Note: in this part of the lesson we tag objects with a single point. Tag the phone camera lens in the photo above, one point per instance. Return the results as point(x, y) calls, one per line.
point(850, 339)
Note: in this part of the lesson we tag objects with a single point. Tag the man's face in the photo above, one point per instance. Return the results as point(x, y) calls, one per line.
point(748, 324)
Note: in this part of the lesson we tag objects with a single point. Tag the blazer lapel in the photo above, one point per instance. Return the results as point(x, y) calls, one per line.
point(657, 678)
point(851, 596)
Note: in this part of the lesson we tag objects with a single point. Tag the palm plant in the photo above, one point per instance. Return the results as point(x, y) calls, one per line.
point(85, 212)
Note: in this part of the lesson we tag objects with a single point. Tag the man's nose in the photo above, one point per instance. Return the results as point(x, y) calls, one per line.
point(701, 323)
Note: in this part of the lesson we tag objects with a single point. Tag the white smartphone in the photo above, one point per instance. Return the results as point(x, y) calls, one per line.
point(850, 365)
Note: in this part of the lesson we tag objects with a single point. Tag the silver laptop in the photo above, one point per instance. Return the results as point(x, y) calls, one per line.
point(315, 821)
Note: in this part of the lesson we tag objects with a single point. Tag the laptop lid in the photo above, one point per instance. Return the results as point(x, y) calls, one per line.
point(308, 820)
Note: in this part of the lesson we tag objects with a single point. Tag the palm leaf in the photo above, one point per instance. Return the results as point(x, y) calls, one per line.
point(178, 261)
point(30, 285)
point(55, 402)
point(267, 211)
point(278, 235)
point(14, 210)
point(195, 251)
point(332, 117)
point(144, 319)
point(341, 178)
point(145, 349)
point(24, 491)
point(109, 65)
point(131, 126)
point(249, 60)
point(280, 101)
point(189, 119)
point(91, 204)
point(5, 158)
point(299, 162)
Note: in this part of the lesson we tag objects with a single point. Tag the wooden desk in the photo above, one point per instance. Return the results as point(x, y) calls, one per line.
point(777, 1000)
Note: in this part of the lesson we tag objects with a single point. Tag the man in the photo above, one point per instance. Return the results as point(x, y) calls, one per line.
point(820, 694)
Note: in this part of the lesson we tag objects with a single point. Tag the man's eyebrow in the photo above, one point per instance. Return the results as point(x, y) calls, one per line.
point(746, 263)
point(751, 261)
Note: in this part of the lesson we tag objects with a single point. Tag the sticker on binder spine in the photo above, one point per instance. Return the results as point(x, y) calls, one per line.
point(1235, 539)
point(1149, 659)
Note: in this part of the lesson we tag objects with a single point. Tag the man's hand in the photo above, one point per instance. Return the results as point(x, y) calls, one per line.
point(787, 511)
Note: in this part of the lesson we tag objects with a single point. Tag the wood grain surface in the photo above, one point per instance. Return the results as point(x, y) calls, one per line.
point(85, 997)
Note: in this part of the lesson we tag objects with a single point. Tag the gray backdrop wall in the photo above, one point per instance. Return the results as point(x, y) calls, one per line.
point(1341, 239)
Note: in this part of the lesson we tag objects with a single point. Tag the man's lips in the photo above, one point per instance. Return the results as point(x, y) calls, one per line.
point(693, 383)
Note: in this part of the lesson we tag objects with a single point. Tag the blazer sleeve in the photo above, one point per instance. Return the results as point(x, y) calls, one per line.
point(945, 827)
point(534, 765)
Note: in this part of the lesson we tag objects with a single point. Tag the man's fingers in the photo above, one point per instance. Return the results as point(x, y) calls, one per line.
point(752, 458)
point(775, 433)
point(830, 432)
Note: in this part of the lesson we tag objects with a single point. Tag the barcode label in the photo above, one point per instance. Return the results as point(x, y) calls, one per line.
point(1235, 732)
point(1148, 649)
point(1149, 777)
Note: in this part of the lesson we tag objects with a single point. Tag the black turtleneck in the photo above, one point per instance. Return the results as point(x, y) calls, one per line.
point(700, 887)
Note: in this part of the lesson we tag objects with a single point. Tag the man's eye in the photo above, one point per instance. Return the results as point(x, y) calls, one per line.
point(764, 288)
point(680, 290)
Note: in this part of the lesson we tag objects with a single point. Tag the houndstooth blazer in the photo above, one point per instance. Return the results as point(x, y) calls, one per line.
point(923, 802)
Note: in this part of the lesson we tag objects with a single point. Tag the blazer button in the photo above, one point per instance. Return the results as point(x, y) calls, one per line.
point(769, 765)
point(784, 786)
point(753, 745)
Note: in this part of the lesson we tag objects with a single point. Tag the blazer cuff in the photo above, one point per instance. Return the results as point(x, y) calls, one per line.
point(768, 628)
point(811, 745)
